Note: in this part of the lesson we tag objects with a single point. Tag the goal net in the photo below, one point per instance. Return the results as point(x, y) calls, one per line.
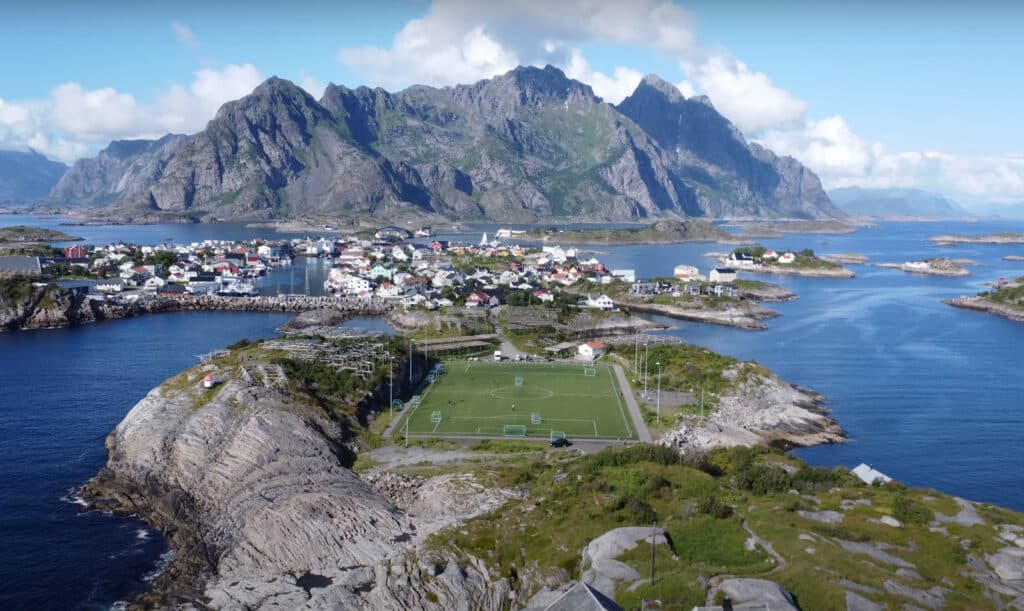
point(590, 372)
point(514, 430)
point(435, 416)
point(535, 418)
point(557, 435)
point(519, 380)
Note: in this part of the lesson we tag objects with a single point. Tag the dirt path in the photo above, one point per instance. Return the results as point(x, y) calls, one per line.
point(642, 433)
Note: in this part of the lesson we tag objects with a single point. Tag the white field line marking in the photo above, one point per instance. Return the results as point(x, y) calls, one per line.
point(611, 378)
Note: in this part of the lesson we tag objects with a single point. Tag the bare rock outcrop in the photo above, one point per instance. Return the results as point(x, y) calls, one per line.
point(759, 410)
point(252, 488)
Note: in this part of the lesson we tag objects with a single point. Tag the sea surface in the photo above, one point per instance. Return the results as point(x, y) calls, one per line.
point(928, 394)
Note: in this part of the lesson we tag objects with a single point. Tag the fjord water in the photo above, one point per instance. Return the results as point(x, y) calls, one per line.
point(63, 391)
point(929, 394)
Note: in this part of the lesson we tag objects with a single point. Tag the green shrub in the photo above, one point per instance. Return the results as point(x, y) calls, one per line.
point(909, 511)
point(712, 505)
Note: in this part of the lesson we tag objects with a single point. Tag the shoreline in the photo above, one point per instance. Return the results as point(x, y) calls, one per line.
point(980, 304)
point(733, 317)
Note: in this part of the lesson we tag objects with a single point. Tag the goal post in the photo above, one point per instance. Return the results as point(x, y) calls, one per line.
point(535, 418)
point(435, 416)
point(514, 430)
point(590, 372)
point(557, 435)
point(519, 381)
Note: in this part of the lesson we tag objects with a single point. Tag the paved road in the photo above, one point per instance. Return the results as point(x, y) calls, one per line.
point(634, 410)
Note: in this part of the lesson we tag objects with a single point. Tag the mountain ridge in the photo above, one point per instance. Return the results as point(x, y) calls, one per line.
point(27, 176)
point(528, 145)
point(896, 202)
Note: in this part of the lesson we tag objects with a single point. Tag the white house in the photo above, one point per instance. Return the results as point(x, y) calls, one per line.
point(686, 272)
point(544, 296)
point(787, 257)
point(625, 275)
point(869, 475)
point(110, 285)
point(590, 350)
point(722, 274)
point(601, 302)
point(153, 283)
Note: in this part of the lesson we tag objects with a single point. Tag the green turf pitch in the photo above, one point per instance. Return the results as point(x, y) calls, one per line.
point(477, 398)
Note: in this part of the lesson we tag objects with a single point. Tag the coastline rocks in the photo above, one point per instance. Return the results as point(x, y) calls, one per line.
point(846, 258)
point(253, 491)
point(50, 307)
point(932, 267)
point(742, 314)
point(980, 304)
point(761, 410)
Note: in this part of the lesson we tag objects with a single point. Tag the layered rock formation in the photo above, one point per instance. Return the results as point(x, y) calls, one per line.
point(527, 145)
point(251, 486)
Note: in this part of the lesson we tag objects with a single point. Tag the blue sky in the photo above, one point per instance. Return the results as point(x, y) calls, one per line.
point(880, 94)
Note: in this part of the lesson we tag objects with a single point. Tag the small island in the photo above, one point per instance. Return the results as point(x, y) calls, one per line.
point(1006, 299)
point(933, 267)
point(662, 232)
point(761, 229)
point(1013, 258)
point(761, 260)
point(14, 235)
point(718, 302)
point(846, 258)
point(1005, 237)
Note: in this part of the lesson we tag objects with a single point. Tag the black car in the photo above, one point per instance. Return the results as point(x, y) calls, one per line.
point(560, 443)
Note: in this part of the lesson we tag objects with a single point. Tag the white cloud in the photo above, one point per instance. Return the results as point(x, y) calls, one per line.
point(462, 41)
point(749, 99)
point(185, 35)
point(313, 86)
point(612, 88)
point(73, 120)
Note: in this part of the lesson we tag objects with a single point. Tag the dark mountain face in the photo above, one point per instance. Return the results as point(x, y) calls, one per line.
point(528, 145)
point(27, 176)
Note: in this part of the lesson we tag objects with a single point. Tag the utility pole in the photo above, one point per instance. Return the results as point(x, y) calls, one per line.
point(701, 403)
point(646, 360)
point(654, 530)
point(658, 417)
point(636, 351)
point(410, 362)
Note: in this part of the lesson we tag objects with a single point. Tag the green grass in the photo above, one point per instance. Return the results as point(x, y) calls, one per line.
point(476, 398)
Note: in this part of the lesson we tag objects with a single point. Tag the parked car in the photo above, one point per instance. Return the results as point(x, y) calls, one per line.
point(560, 443)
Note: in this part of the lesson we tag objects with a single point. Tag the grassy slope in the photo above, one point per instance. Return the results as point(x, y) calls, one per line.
point(704, 505)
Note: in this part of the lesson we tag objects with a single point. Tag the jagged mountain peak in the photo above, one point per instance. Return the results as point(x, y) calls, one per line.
point(529, 144)
point(660, 85)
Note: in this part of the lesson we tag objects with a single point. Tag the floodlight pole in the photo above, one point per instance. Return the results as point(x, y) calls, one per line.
point(646, 361)
point(391, 385)
point(636, 351)
point(659, 392)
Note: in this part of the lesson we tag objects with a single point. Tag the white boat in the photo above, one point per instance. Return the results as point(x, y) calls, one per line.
point(236, 288)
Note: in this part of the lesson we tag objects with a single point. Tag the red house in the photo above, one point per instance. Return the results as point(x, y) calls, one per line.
point(76, 252)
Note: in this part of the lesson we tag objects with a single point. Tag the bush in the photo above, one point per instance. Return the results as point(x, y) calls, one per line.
point(909, 511)
point(653, 486)
point(712, 505)
point(630, 455)
point(762, 479)
point(638, 512)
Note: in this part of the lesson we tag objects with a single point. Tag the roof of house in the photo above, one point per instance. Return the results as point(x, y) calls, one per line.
point(20, 265)
point(583, 597)
point(597, 345)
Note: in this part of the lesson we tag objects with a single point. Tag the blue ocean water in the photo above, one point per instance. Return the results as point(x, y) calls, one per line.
point(61, 392)
point(929, 394)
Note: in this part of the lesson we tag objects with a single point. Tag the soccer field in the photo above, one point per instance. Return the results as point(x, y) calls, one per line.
point(522, 399)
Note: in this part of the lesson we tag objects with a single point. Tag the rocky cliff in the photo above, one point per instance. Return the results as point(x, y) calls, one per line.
point(528, 145)
point(250, 482)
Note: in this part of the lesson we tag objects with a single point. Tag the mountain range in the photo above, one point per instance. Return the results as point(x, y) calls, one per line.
point(27, 176)
point(896, 203)
point(529, 145)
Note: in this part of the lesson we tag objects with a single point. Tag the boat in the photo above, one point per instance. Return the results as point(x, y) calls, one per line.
point(235, 288)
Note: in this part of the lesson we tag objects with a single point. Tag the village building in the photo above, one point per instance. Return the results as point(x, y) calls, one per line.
point(590, 350)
